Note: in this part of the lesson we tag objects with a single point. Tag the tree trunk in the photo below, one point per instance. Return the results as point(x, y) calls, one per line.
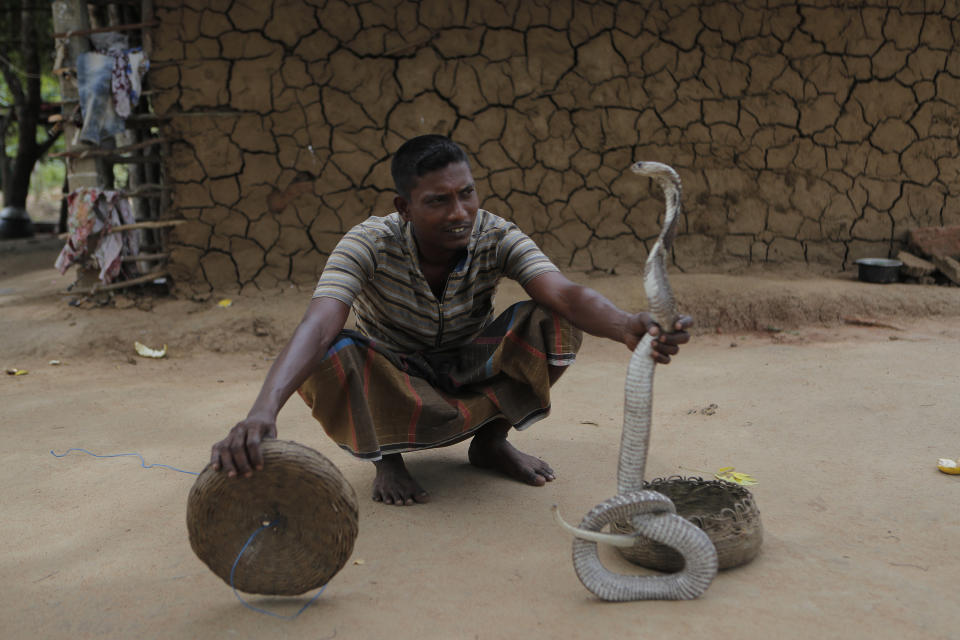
point(4, 160)
point(72, 15)
point(28, 113)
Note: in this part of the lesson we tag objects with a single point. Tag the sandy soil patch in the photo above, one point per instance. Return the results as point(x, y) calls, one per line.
point(841, 424)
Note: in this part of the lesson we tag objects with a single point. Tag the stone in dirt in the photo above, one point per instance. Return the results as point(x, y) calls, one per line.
point(915, 267)
point(948, 267)
point(936, 241)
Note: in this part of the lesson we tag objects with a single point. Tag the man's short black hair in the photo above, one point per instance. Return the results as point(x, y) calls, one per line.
point(421, 155)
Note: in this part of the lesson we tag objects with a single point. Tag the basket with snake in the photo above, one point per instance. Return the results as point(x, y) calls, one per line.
point(688, 526)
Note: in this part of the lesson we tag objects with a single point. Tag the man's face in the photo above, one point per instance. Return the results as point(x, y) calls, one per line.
point(442, 207)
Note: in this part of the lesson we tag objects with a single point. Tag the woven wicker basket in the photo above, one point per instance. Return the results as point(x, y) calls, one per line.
point(313, 507)
point(724, 510)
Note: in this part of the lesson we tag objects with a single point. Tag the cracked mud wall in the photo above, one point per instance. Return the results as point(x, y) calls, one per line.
point(816, 132)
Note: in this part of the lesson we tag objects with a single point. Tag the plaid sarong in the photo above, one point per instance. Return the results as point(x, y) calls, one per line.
point(372, 401)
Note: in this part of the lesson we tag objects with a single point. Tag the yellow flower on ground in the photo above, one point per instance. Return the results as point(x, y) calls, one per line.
point(728, 474)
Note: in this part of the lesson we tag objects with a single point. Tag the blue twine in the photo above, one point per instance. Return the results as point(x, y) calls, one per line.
point(233, 570)
point(143, 463)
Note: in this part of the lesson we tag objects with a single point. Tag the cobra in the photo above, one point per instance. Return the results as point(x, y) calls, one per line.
point(652, 514)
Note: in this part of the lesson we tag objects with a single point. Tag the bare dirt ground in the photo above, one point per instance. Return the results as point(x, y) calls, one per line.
point(841, 424)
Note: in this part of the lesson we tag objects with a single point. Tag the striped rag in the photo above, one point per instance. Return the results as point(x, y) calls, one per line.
point(372, 401)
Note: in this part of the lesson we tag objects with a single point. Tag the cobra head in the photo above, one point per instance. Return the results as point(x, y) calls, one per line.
point(663, 174)
point(669, 182)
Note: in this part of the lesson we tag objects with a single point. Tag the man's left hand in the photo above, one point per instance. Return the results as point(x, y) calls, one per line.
point(664, 344)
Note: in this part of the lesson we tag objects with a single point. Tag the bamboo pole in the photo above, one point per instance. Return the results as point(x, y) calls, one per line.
point(97, 288)
point(130, 159)
point(149, 224)
point(140, 257)
point(146, 14)
point(120, 27)
point(71, 16)
point(100, 153)
point(145, 191)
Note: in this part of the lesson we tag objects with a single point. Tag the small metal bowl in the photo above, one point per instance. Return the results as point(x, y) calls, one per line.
point(882, 270)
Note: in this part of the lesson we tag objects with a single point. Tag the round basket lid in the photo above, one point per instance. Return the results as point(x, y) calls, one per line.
point(312, 506)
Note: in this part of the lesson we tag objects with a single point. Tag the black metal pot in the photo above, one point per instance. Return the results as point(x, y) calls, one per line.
point(882, 270)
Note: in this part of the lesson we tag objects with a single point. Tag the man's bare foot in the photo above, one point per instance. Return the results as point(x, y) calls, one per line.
point(491, 450)
point(394, 484)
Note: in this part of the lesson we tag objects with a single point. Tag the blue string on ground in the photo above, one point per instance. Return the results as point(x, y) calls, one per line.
point(233, 570)
point(143, 463)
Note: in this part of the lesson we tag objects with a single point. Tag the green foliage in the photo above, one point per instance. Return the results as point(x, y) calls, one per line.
point(121, 176)
point(11, 57)
point(19, 68)
point(48, 175)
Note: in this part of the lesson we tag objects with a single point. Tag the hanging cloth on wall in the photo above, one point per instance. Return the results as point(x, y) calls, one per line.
point(100, 119)
point(109, 84)
point(92, 212)
point(126, 79)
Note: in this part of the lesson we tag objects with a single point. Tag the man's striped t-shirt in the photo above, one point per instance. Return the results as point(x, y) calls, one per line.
point(375, 269)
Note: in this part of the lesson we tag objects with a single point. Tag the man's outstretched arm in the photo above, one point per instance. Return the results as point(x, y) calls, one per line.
point(591, 312)
point(239, 453)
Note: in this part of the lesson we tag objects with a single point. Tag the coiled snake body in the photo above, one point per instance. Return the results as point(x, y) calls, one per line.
point(652, 514)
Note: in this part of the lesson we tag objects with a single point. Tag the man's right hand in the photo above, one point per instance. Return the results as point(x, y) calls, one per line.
point(239, 453)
